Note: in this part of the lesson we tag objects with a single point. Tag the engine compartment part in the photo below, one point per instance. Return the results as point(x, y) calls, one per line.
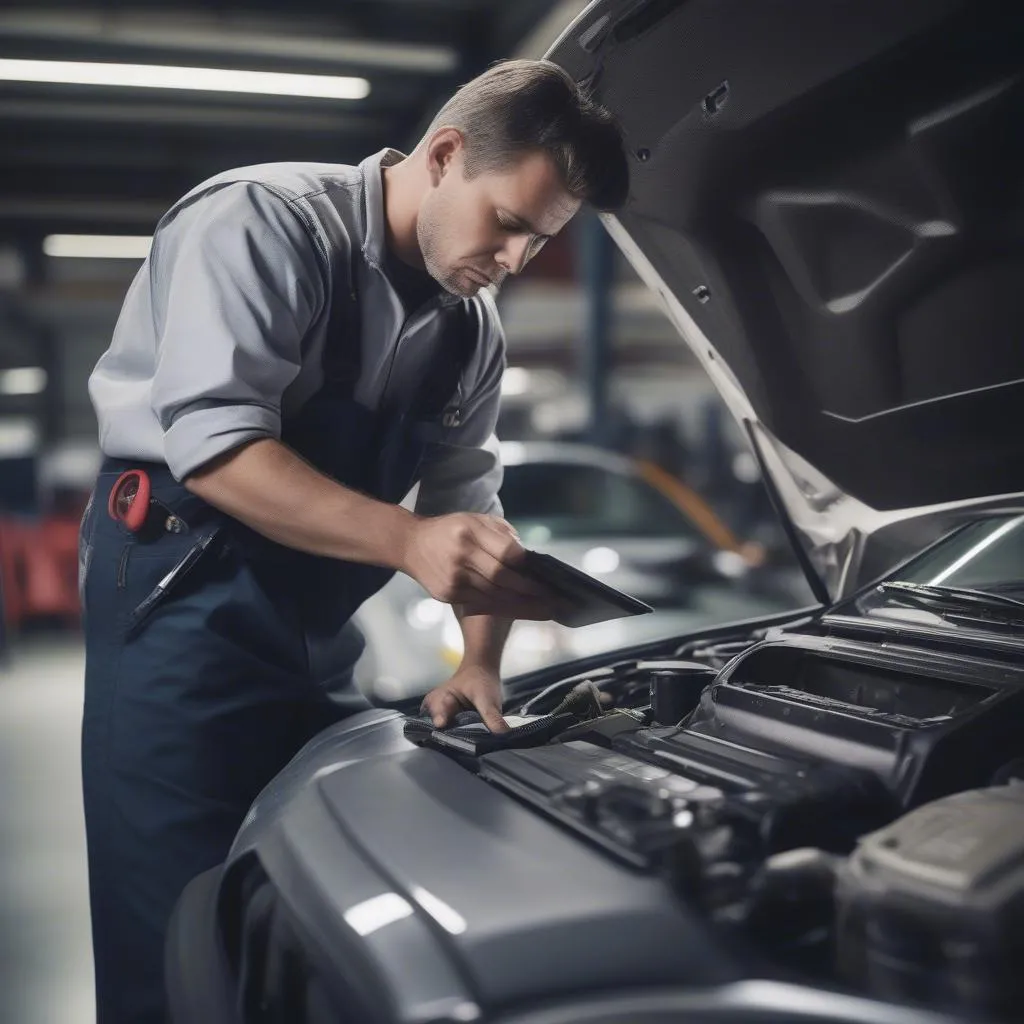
point(675, 688)
point(925, 722)
point(703, 821)
point(932, 906)
point(782, 759)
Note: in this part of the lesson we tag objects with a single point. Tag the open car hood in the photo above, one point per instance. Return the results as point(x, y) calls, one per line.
point(829, 198)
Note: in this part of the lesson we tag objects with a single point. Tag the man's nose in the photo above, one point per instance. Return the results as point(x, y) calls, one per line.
point(514, 254)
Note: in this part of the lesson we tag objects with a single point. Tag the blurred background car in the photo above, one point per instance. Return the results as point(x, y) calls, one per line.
point(627, 522)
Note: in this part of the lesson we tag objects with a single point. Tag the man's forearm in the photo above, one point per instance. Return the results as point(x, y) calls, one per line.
point(484, 637)
point(270, 488)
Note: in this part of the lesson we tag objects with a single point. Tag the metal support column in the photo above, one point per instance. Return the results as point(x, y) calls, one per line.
point(596, 261)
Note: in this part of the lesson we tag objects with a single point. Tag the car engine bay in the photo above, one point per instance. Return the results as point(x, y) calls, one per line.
point(803, 821)
point(846, 811)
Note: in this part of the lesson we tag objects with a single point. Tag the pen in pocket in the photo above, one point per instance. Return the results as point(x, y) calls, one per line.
point(181, 568)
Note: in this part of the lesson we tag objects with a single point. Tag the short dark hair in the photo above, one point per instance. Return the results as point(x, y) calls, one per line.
point(519, 106)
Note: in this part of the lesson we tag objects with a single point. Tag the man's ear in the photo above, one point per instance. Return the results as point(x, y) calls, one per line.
point(443, 147)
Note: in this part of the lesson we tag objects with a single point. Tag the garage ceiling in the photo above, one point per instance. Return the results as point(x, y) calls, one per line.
point(91, 158)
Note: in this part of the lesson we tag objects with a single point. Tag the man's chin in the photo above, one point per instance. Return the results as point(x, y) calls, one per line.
point(460, 284)
point(460, 291)
point(463, 284)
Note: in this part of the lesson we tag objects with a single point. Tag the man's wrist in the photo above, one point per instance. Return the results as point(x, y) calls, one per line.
point(484, 637)
point(395, 537)
point(475, 662)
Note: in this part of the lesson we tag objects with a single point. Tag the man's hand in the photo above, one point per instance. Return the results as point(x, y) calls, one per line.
point(470, 687)
point(471, 560)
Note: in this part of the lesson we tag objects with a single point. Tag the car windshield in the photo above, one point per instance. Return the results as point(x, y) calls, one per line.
point(978, 570)
point(564, 500)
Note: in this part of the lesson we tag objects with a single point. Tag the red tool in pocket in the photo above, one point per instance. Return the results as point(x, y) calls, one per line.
point(129, 499)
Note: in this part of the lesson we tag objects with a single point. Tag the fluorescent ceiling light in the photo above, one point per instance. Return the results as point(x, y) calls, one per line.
point(22, 380)
point(103, 247)
point(158, 76)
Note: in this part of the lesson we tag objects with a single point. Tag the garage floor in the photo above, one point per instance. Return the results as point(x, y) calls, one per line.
point(45, 955)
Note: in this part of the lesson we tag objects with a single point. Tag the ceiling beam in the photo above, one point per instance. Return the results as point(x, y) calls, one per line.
point(192, 33)
point(100, 211)
point(182, 114)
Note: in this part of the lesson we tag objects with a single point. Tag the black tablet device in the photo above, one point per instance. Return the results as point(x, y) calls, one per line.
point(587, 600)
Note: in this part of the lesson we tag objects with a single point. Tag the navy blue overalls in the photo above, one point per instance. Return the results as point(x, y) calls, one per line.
point(190, 712)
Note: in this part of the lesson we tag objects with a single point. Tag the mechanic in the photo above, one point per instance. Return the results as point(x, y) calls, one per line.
point(304, 343)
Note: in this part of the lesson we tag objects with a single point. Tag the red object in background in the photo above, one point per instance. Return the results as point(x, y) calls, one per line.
point(129, 499)
point(11, 570)
point(39, 562)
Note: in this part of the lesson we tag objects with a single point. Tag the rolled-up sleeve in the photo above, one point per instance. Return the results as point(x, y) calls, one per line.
point(464, 474)
point(236, 282)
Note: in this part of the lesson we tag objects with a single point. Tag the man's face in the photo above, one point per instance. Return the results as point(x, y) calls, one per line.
point(474, 232)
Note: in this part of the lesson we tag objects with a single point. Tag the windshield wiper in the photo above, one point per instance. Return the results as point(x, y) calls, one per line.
point(952, 598)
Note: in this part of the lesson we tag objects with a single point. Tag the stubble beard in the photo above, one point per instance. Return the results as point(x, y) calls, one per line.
point(428, 232)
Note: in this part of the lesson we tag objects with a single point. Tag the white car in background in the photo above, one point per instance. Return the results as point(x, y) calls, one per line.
point(621, 520)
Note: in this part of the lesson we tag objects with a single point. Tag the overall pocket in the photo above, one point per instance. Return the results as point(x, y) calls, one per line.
point(152, 574)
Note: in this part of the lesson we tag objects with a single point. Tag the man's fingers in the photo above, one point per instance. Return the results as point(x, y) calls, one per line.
point(474, 583)
point(442, 706)
point(501, 544)
point(482, 597)
point(501, 576)
point(492, 719)
point(490, 711)
point(502, 526)
point(485, 579)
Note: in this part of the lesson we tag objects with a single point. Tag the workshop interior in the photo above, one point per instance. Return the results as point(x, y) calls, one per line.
point(757, 428)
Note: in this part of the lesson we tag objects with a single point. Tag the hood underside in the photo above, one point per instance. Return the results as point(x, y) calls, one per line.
point(829, 197)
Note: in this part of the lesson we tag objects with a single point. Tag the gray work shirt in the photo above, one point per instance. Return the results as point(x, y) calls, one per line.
point(223, 329)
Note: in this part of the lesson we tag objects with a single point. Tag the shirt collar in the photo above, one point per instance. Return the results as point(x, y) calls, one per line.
point(375, 238)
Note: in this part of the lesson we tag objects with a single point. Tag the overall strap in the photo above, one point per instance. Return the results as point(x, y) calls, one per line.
point(442, 388)
point(343, 355)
